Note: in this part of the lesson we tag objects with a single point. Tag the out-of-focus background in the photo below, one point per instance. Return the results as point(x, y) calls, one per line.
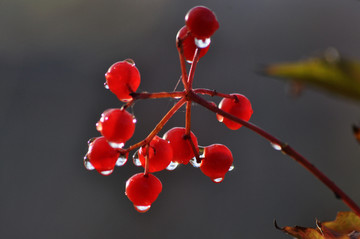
point(53, 56)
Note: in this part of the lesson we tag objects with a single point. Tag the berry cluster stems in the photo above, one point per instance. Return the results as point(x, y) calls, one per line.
point(190, 95)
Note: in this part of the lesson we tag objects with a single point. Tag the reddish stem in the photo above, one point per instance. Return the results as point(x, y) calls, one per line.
point(286, 149)
point(157, 95)
point(193, 68)
point(146, 171)
point(212, 93)
point(188, 118)
point(182, 63)
point(158, 127)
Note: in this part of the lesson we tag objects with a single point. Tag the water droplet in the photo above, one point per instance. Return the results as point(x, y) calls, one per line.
point(106, 172)
point(99, 126)
point(134, 120)
point(106, 85)
point(136, 159)
point(116, 145)
point(91, 140)
point(276, 146)
point(121, 160)
point(87, 164)
point(217, 180)
point(142, 208)
point(194, 163)
point(231, 168)
point(201, 151)
point(202, 43)
point(172, 166)
point(131, 61)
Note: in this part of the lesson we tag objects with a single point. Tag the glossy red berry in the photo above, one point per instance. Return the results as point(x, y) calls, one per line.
point(239, 107)
point(142, 190)
point(181, 146)
point(101, 156)
point(216, 162)
point(117, 126)
point(201, 22)
point(160, 154)
point(122, 79)
point(188, 44)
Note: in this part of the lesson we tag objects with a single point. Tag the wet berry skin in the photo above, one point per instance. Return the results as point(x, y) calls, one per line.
point(216, 162)
point(116, 125)
point(102, 156)
point(181, 146)
point(142, 190)
point(122, 79)
point(160, 154)
point(240, 107)
point(201, 22)
point(188, 44)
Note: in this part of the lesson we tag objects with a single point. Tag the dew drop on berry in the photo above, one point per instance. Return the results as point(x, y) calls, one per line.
point(202, 43)
point(136, 159)
point(131, 61)
point(106, 85)
point(121, 160)
point(134, 120)
point(276, 146)
point(142, 208)
point(217, 180)
point(116, 145)
point(87, 164)
point(106, 172)
point(172, 166)
point(231, 168)
point(201, 151)
point(91, 140)
point(194, 163)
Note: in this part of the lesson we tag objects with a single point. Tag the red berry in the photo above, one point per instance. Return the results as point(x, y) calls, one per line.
point(216, 162)
point(101, 156)
point(181, 146)
point(188, 44)
point(142, 190)
point(123, 78)
point(240, 107)
point(117, 126)
point(160, 154)
point(201, 22)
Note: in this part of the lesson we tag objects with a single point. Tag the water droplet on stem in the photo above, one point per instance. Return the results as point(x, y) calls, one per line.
point(136, 159)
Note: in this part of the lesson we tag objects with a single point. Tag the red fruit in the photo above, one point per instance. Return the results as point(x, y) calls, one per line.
point(117, 126)
point(201, 22)
point(123, 78)
point(142, 190)
point(240, 107)
point(160, 154)
point(180, 145)
point(216, 162)
point(101, 156)
point(188, 44)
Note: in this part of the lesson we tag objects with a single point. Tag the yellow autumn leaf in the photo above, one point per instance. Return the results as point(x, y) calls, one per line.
point(330, 72)
point(345, 226)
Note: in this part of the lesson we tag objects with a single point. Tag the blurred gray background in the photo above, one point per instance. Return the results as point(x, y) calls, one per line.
point(53, 56)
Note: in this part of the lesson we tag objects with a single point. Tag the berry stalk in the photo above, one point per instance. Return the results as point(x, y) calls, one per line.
point(159, 126)
point(286, 149)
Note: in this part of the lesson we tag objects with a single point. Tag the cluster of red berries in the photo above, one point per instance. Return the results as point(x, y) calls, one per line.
point(178, 145)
